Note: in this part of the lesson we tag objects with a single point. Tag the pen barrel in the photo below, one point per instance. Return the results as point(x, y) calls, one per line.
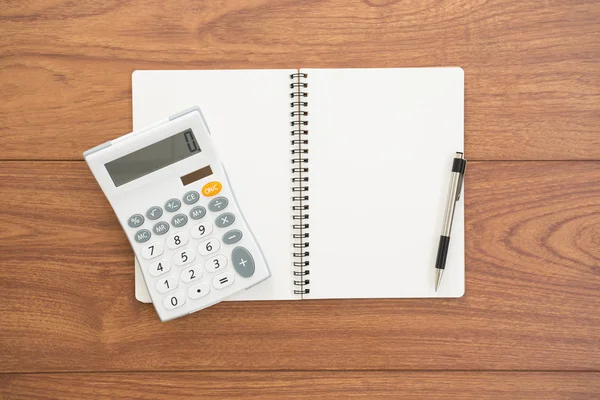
point(451, 203)
point(440, 262)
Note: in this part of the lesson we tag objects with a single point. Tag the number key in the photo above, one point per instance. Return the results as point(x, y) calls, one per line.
point(173, 301)
point(209, 246)
point(191, 274)
point(216, 263)
point(160, 267)
point(167, 284)
point(152, 251)
point(177, 240)
point(201, 230)
point(184, 257)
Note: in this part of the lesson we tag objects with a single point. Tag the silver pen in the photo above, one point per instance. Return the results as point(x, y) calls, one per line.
point(456, 181)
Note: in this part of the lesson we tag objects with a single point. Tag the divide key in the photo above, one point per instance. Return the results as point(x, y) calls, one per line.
point(218, 204)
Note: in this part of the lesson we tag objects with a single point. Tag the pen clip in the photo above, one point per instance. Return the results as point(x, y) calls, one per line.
point(461, 179)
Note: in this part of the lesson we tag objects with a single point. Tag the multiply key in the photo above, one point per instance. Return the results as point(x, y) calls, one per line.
point(224, 220)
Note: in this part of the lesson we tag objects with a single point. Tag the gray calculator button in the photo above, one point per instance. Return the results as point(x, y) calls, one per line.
point(172, 205)
point(243, 262)
point(197, 212)
point(154, 212)
point(179, 220)
point(161, 228)
point(224, 220)
point(233, 236)
point(218, 204)
point(142, 235)
point(135, 220)
point(191, 197)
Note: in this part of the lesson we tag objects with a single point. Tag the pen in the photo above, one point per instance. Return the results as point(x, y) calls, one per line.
point(456, 180)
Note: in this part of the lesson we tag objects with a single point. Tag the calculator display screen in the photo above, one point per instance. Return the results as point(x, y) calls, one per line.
point(152, 158)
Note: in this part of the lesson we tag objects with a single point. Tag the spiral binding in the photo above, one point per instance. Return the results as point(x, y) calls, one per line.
point(300, 207)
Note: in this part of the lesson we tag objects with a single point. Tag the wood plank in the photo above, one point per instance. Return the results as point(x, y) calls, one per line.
point(267, 385)
point(532, 68)
point(533, 278)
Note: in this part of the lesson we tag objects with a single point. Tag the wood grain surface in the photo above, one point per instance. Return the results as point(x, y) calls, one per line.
point(529, 323)
point(531, 303)
point(368, 385)
point(532, 71)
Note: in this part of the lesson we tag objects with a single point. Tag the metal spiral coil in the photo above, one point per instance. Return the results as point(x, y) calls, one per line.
point(300, 179)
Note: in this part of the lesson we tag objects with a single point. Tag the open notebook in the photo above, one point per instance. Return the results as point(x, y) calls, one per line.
point(342, 174)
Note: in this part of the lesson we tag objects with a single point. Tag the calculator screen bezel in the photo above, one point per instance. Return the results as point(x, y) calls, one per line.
point(148, 159)
point(157, 180)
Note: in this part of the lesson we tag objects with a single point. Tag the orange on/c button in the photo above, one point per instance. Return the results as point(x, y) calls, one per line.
point(212, 188)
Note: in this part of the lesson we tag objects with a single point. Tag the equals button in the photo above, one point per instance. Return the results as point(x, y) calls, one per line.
point(223, 280)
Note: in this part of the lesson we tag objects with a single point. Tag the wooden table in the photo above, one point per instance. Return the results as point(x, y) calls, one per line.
point(529, 324)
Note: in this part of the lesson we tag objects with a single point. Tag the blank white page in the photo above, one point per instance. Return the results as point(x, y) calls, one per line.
point(381, 148)
point(247, 112)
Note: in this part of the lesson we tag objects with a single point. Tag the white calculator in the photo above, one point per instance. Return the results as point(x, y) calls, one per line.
point(172, 196)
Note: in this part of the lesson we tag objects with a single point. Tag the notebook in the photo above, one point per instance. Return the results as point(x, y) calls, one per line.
point(342, 174)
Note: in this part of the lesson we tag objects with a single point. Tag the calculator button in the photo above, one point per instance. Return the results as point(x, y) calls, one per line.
point(233, 236)
point(152, 251)
point(191, 274)
point(172, 205)
point(218, 204)
point(212, 188)
point(224, 220)
point(223, 280)
point(136, 220)
point(201, 230)
point(179, 220)
point(173, 301)
point(167, 284)
point(242, 262)
point(191, 197)
point(184, 257)
point(161, 228)
point(142, 235)
point(198, 290)
point(160, 267)
point(209, 246)
point(154, 212)
point(177, 240)
point(216, 263)
point(197, 212)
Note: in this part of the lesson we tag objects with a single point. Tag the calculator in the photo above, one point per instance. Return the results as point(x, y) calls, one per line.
point(171, 194)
